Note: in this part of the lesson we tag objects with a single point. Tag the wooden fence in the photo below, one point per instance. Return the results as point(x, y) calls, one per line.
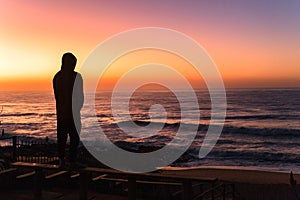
point(39, 151)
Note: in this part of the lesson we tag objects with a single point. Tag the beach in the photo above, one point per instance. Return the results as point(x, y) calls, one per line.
point(234, 174)
point(248, 184)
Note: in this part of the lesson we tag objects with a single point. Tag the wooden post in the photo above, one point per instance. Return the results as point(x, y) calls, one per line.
point(38, 179)
point(233, 191)
point(201, 190)
point(83, 181)
point(224, 191)
point(187, 190)
point(14, 140)
point(213, 191)
point(132, 190)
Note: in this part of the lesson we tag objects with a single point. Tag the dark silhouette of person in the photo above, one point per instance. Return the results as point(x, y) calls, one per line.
point(69, 101)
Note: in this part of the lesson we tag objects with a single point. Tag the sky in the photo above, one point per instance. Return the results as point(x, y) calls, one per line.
point(253, 43)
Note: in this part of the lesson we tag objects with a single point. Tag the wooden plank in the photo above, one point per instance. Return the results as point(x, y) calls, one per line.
point(7, 171)
point(159, 183)
point(143, 176)
point(34, 165)
point(26, 175)
point(141, 182)
point(115, 179)
point(56, 174)
point(75, 175)
point(99, 177)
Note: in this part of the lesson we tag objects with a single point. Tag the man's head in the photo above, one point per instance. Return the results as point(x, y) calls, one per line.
point(68, 61)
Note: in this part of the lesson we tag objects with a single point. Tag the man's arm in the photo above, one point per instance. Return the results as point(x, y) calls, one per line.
point(81, 94)
point(78, 93)
point(54, 86)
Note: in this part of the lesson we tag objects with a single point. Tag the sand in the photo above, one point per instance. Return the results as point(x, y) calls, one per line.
point(249, 183)
point(234, 174)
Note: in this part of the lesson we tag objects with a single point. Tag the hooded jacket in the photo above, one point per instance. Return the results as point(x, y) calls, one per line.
point(68, 91)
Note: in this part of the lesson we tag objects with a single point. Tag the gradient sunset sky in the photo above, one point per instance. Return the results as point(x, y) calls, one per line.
point(254, 43)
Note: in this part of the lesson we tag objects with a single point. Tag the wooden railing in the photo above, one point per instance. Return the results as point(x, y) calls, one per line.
point(88, 175)
point(24, 157)
point(11, 149)
point(35, 151)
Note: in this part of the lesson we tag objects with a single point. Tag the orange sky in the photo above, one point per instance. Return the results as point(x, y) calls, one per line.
point(138, 58)
point(254, 44)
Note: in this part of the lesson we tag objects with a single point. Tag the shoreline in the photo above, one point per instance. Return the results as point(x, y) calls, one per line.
point(249, 184)
point(234, 174)
point(235, 167)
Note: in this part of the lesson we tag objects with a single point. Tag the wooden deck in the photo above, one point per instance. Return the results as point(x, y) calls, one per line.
point(85, 176)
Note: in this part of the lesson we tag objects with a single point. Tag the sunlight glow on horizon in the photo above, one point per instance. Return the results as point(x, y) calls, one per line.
point(254, 44)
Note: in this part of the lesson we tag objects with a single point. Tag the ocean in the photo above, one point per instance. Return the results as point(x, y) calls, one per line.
point(262, 127)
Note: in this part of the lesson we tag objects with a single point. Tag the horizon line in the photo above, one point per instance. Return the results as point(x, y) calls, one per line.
point(149, 89)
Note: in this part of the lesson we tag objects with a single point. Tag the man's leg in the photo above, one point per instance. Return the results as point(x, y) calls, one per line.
point(74, 142)
point(62, 137)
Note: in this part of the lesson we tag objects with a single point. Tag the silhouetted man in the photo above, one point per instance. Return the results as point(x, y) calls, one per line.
point(69, 101)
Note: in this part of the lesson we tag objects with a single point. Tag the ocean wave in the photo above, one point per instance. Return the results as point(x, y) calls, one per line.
point(17, 114)
point(263, 132)
point(272, 132)
point(47, 115)
point(256, 156)
point(101, 116)
point(146, 122)
point(262, 117)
